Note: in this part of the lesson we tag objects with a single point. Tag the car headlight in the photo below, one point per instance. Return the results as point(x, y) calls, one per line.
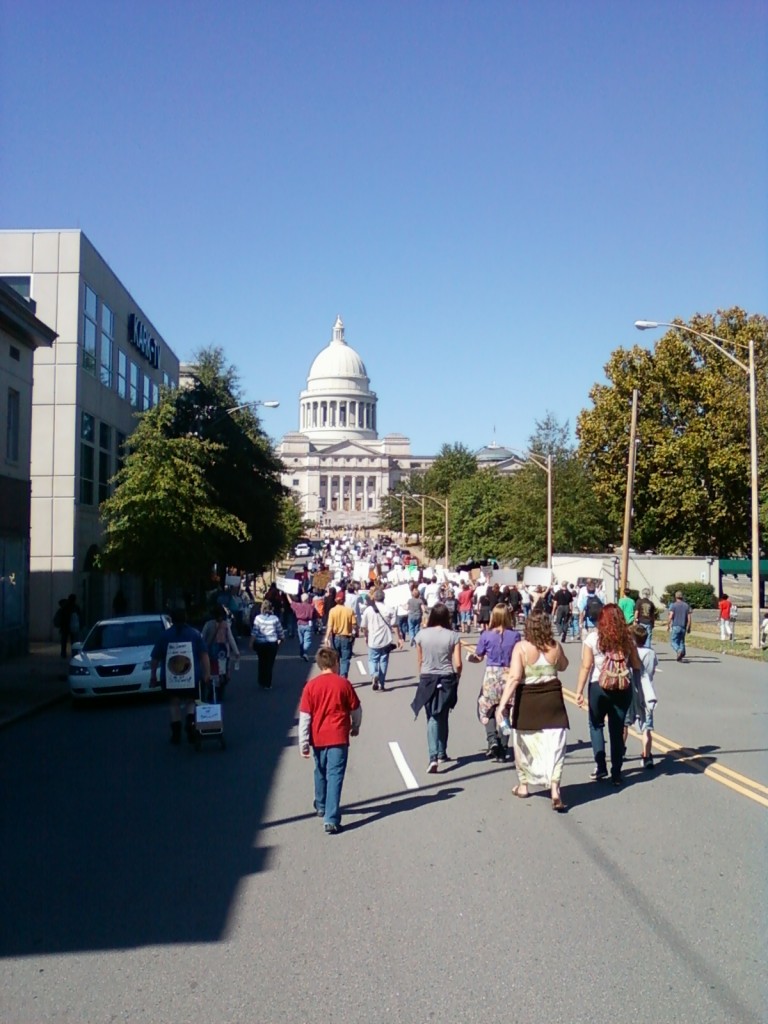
point(79, 670)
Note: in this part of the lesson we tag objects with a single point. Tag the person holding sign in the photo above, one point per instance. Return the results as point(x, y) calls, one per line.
point(183, 660)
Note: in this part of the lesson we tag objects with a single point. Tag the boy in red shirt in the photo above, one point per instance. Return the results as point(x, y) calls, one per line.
point(329, 713)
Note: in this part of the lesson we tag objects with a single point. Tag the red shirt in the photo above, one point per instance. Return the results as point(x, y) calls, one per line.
point(725, 609)
point(329, 699)
point(465, 600)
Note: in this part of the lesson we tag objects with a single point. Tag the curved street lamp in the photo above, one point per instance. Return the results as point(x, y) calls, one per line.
point(546, 467)
point(749, 369)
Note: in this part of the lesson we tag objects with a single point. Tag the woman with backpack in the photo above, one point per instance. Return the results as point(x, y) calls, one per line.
point(220, 641)
point(609, 655)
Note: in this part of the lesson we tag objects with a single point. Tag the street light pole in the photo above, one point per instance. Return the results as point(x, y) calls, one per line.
point(629, 495)
point(749, 369)
point(546, 467)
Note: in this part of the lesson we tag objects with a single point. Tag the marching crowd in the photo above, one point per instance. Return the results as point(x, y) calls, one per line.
point(376, 592)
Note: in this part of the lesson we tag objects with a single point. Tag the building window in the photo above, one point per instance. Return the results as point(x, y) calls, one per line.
point(146, 398)
point(107, 342)
point(12, 425)
point(20, 283)
point(134, 389)
point(87, 457)
point(122, 374)
point(294, 483)
point(155, 393)
point(89, 331)
point(105, 460)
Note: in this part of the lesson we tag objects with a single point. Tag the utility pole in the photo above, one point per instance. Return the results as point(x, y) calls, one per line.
point(628, 501)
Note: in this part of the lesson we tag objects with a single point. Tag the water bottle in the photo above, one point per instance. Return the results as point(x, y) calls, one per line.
point(506, 728)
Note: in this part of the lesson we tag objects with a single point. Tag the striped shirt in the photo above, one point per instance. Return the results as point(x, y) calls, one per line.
point(267, 629)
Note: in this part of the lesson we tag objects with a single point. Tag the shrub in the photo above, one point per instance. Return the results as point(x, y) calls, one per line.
point(697, 595)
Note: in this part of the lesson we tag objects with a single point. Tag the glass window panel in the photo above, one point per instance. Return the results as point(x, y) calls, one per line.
point(19, 283)
point(106, 361)
point(122, 374)
point(155, 393)
point(87, 428)
point(86, 474)
point(89, 345)
point(134, 389)
point(107, 320)
point(105, 437)
point(90, 302)
point(146, 394)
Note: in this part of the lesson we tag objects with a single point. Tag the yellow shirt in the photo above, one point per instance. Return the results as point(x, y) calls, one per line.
point(341, 621)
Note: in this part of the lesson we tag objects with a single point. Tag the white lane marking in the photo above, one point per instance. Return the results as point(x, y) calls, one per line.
point(408, 777)
point(362, 668)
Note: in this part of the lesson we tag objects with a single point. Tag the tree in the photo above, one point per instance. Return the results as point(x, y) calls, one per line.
point(291, 521)
point(692, 479)
point(399, 503)
point(480, 524)
point(245, 475)
point(455, 462)
point(200, 486)
point(578, 519)
point(163, 520)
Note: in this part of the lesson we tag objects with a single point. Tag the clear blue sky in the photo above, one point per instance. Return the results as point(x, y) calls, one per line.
point(488, 193)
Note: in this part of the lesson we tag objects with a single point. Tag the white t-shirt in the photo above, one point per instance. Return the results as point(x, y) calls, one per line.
point(378, 624)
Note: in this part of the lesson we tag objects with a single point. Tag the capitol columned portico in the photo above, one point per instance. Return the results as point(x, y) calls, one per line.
point(336, 464)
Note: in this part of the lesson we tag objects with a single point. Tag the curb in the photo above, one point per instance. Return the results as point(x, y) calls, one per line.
point(33, 709)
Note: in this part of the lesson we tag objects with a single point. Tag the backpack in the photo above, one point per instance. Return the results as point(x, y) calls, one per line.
point(593, 607)
point(615, 673)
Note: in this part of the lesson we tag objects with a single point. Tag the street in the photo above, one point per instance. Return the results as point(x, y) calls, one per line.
point(149, 882)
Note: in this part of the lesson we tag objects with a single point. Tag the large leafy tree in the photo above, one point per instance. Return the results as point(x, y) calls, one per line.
point(692, 479)
point(480, 523)
point(200, 486)
point(164, 520)
point(245, 475)
point(455, 462)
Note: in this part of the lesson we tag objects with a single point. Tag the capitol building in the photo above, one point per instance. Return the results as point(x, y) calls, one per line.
point(336, 464)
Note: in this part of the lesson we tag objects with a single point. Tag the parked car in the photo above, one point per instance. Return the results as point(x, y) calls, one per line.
point(115, 657)
point(303, 549)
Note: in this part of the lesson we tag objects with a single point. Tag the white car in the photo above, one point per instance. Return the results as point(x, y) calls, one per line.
point(302, 550)
point(115, 657)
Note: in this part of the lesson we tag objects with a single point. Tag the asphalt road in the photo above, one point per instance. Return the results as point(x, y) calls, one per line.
point(147, 882)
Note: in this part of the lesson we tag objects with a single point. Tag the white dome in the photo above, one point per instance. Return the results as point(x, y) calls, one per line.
point(337, 363)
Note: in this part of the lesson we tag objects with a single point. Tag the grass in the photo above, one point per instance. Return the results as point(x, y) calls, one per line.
point(739, 649)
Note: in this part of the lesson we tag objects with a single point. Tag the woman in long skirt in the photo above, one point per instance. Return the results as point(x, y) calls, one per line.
point(539, 719)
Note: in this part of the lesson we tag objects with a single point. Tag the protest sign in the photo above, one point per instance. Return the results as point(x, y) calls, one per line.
point(535, 576)
point(287, 586)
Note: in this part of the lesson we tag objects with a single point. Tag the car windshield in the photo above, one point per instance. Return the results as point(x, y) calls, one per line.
point(106, 635)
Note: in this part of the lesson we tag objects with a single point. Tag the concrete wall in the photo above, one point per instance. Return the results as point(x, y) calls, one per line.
point(656, 572)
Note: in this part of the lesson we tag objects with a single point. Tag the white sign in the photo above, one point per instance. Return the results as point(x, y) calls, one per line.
point(534, 576)
point(180, 666)
point(232, 581)
point(287, 586)
point(360, 571)
point(397, 595)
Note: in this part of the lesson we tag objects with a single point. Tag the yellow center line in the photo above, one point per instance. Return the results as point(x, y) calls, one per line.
point(719, 772)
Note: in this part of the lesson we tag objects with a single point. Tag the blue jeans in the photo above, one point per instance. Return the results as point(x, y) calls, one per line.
point(305, 637)
point(649, 630)
point(414, 625)
point(677, 639)
point(343, 647)
point(437, 734)
point(330, 765)
point(378, 662)
point(402, 625)
point(613, 705)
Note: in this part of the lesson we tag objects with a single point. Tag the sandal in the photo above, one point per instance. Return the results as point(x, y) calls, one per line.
point(558, 805)
point(521, 796)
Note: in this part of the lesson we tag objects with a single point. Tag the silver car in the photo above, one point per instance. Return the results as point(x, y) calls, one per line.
point(115, 657)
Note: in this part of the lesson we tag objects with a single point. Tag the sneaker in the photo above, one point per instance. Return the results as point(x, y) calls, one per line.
point(320, 812)
point(375, 685)
point(331, 829)
point(432, 768)
point(617, 781)
point(598, 773)
point(648, 762)
point(444, 759)
point(679, 656)
point(382, 687)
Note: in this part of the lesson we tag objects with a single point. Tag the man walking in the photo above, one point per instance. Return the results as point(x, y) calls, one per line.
point(562, 601)
point(329, 713)
point(340, 634)
point(678, 624)
point(379, 628)
point(183, 660)
point(305, 613)
point(645, 614)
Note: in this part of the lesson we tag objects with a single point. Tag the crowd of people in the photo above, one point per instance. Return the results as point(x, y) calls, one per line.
point(376, 592)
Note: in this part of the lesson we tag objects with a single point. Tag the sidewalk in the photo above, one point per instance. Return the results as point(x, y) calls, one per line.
point(32, 681)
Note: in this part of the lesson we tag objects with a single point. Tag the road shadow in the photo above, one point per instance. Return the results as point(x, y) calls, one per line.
point(376, 812)
point(111, 836)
